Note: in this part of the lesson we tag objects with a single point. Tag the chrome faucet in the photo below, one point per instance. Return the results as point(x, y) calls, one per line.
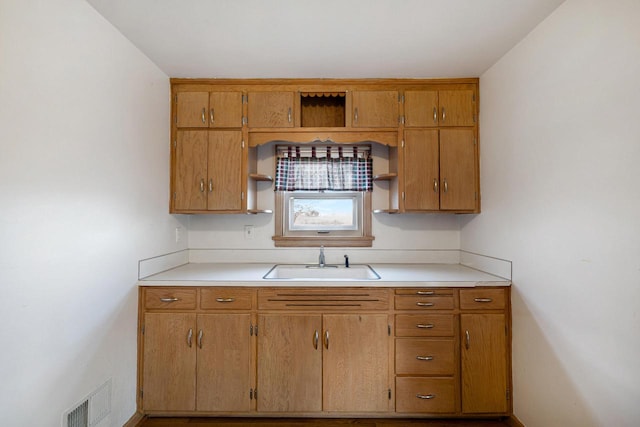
point(321, 257)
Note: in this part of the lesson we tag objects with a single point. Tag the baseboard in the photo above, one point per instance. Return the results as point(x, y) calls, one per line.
point(135, 420)
point(513, 421)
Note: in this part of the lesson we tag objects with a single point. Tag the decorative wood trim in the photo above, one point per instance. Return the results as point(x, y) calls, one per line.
point(136, 420)
point(513, 421)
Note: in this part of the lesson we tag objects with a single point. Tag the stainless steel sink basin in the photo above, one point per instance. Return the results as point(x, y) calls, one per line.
point(315, 272)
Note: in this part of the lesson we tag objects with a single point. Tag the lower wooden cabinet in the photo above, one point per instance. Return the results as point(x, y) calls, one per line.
point(324, 351)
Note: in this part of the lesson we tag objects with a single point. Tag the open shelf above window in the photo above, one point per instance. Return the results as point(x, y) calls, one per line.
point(322, 109)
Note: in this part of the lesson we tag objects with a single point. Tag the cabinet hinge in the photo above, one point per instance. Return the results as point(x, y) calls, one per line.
point(245, 99)
point(175, 143)
point(389, 329)
point(473, 97)
point(244, 120)
point(141, 393)
point(508, 394)
point(401, 98)
point(242, 195)
point(175, 196)
point(389, 394)
point(402, 143)
point(142, 330)
point(243, 143)
point(401, 120)
point(403, 195)
point(250, 394)
point(251, 330)
point(256, 329)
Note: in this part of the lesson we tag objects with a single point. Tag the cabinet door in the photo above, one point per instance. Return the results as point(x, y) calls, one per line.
point(457, 169)
point(456, 107)
point(192, 109)
point(421, 178)
point(270, 109)
point(224, 362)
point(421, 108)
point(375, 109)
point(224, 170)
point(289, 363)
point(356, 363)
point(169, 373)
point(225, 109)
point(190, 172)
point(484, 363)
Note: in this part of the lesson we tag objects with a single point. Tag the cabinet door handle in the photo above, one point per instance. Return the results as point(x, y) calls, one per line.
point(435, 185)
point(170, 299)
point(445, 185)
point(190, 337)
point(426, 396)
point(423, 326)
point(483, 299)
point(316, 338)
point(467, 340)
point(225, 299)
point(200, 338)
point(355, 115)
point(210, 185)
point(326, 339)
point(444, 115)
point(202, 185)
point(435, 115)
point(204, 115)
point(425, 358)
point(425, 293)
point(289, 115)
point(424, 304)
point(211, 116)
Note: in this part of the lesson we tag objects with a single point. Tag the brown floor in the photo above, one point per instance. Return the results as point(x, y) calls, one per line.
point(293, 422)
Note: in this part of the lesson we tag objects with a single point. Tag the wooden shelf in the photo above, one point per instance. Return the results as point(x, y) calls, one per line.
point(385, 176)
point(260, 177)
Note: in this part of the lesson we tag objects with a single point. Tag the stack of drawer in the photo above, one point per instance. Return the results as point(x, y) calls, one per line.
point(425, 351)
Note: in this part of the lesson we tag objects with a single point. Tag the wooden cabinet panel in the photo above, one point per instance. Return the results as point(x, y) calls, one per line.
point(224, 171)
point(425, 395)
point(224, 362)
point(225, 109)
point(421, 108)
point(190, 173)
point(425, 357)
point(192, 109)
point(169, 375)
point(457, 107)
point(421, 170)
point(457, 169)
point(356, 363)
point(484, 363)
point(271, 109)
point(375, 108)
point(289, 363)
point(482, 299)
point(169, 298)
point(424, 325)
point(226, 298)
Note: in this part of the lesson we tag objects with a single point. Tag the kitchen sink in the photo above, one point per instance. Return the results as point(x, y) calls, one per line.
point(326, 272)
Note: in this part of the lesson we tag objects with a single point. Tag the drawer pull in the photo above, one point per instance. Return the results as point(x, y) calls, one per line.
point(316, 338)
point(425, 358)
point(427, 326)
point(171, 299)
point(425, 293)
point(483, 299)
point(467, 340)
point(426, 396)
point(225, 299)
point(190, 337)
point(424, 304)
point(200, 338)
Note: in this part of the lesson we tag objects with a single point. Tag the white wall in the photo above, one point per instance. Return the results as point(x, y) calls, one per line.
point(84, 185)
point(560, 132)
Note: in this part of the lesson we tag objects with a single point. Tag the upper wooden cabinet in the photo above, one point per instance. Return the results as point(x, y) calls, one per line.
point(376, 108)
point(440, 170)
point(271, 110)
point(207, 171)
point(209, 109)
point(439, 108)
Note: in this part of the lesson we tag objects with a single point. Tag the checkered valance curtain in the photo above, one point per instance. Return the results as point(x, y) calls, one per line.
point(324, 168)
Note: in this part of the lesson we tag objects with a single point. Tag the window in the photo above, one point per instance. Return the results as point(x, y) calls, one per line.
point(323, 196)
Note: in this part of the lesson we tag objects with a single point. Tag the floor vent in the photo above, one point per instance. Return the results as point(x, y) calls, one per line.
point(92, 410)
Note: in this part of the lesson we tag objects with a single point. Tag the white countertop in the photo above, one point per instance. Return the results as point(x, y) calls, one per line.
point(391, 275)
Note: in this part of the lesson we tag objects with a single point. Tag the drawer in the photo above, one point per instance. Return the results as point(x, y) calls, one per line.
point(424, 357)
point(169, 298)
point(226, 298)
point(410, 302)
point(424, 325)
point(325, 299)
point(482, 299)
point(425, 395)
